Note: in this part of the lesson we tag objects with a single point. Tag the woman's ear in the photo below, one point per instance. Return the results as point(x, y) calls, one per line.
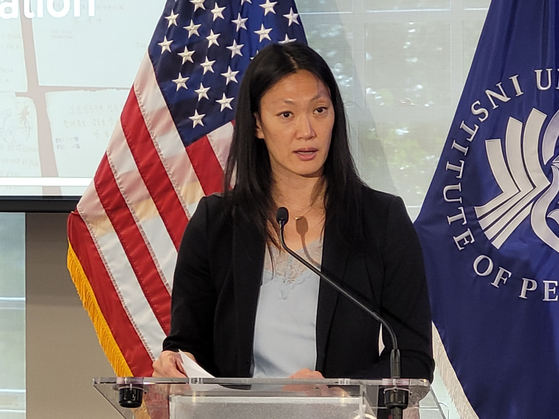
point(258, 132)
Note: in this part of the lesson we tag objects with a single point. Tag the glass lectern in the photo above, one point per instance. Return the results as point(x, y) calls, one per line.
point(247, 398)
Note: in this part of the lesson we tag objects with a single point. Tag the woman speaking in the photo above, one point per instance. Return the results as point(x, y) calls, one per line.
point(244, 307)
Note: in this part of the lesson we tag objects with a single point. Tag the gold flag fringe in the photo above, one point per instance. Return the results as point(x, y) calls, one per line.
point(89, 301)
point(450, 379)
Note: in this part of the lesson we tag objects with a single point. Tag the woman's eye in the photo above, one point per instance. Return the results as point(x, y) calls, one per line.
point(285, 114)
point(322, 109)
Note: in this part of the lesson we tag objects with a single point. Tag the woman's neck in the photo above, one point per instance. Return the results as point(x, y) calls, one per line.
point(299, 195)
point(305, 203)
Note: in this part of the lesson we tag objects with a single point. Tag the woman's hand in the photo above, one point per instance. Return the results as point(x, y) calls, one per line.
point(169, 364)
point(309, 390)
point(317, 390)
point(307, 373)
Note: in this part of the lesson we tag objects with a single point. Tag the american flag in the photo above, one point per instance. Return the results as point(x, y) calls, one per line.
point(167, 151)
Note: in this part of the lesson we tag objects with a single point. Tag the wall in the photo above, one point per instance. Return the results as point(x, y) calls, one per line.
point(63, 353)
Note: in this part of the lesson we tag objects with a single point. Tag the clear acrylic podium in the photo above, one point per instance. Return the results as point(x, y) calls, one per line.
point(248, 398)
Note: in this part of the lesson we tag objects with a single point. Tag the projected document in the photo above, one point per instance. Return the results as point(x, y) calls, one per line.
point(66, 69)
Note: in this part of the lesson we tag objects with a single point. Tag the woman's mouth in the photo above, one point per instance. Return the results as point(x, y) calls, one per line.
point(306, 154)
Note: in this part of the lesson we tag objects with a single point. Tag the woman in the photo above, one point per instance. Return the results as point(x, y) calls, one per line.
point(241, 306)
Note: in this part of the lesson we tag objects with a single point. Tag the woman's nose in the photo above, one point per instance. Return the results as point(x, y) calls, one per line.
point(305, 129)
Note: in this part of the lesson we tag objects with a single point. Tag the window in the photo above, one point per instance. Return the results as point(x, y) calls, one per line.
point(12, 316)
point(401, 66)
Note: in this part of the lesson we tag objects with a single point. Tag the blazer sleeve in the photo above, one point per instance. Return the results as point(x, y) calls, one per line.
point(404, 297)
point(194, 297)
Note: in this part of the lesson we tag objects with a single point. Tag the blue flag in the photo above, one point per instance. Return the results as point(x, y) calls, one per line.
point(489, 225)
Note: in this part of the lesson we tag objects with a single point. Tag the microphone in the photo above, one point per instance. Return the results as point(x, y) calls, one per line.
point(395, 399)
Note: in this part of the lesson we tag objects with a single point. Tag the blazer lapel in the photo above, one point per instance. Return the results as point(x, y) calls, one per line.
point(248, 261)
point(334, 262)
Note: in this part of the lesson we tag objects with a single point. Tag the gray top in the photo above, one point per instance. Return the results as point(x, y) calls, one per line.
point(285, 329)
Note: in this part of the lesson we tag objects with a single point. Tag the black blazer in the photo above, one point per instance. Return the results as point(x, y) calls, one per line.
point(217, 281)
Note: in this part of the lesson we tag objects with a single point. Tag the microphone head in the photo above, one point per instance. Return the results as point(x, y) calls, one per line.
point(282, 216)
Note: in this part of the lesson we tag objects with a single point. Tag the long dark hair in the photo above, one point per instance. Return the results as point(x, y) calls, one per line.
point(248, 165)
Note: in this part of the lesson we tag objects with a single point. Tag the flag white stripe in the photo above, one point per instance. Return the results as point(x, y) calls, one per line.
point(132, 296)
point(122, 275)
point(165, 136)
point(220, 140)
point(141, 206)
point(113, 257)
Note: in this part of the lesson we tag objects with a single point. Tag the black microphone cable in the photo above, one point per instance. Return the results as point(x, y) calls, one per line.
point(396, 399)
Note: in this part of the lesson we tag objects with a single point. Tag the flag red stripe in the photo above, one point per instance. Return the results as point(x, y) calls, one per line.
point(124, 333)
point(152, 170)
point(206, 165)
point(133, 244)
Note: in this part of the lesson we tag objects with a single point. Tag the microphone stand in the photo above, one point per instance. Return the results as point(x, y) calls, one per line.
point(395, 399)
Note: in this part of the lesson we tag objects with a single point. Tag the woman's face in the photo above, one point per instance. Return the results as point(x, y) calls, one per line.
point(295, 121)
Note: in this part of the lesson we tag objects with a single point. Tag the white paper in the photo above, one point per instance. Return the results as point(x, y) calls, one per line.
point(192, 369)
